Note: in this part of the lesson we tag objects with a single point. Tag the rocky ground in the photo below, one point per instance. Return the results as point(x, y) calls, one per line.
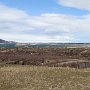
point(57, 57)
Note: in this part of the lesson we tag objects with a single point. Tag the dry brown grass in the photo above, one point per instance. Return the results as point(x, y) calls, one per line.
point(17, 77)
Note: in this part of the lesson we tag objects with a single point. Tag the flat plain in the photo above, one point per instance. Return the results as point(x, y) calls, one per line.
point(26, 77)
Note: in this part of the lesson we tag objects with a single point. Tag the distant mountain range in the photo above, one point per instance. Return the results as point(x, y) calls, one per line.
point(6, 42)
point(18, 43)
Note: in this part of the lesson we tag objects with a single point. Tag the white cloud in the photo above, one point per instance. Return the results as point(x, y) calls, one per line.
point(79, 4)
point(11, 14)
point(36, 38)
point(19, 26)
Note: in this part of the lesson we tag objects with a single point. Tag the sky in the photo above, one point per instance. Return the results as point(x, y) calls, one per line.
point(47, 21)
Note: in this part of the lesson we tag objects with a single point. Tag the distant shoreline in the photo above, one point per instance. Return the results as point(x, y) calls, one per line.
point(46, 45)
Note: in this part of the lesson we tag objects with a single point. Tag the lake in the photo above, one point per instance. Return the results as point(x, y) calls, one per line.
point(56, 45)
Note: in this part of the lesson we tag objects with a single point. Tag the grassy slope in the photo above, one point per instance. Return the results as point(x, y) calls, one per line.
point(43, 78)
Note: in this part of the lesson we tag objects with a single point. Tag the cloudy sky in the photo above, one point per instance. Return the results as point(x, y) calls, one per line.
point(45, 20)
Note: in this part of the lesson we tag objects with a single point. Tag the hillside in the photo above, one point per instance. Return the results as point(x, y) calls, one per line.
point(3, 41)
point(6, 42)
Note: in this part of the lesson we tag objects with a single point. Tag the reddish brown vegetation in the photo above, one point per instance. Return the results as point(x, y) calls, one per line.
point(72, 57)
